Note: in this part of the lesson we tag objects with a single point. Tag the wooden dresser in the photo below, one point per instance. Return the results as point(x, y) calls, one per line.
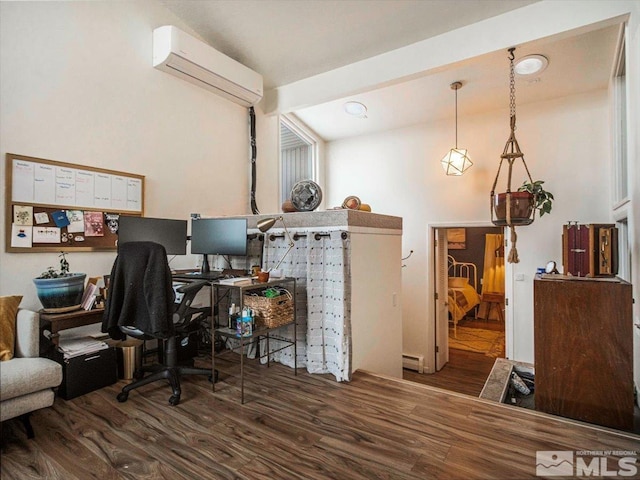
point(584, 349)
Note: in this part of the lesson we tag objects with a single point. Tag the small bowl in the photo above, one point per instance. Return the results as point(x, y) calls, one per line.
point(263, 277)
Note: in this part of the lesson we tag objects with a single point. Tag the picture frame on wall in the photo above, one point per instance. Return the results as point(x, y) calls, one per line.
point(456, 238)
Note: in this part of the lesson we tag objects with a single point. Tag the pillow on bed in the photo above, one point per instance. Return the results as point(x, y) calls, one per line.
point(458, 282)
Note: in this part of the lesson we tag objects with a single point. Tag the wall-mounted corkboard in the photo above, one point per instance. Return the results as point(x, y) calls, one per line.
point(53, 206)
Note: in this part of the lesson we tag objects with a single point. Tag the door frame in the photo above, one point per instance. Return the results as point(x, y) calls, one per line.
point(430, 357)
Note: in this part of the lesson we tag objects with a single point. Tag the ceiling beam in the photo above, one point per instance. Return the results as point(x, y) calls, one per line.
point(526, 24)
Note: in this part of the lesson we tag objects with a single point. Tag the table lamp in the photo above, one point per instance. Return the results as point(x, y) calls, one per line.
point(266, 224)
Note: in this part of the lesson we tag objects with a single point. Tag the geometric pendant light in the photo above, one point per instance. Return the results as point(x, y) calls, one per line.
point(456, 161)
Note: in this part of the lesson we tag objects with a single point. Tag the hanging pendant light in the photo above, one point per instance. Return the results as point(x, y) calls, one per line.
point(456, 161)
point(512, 208)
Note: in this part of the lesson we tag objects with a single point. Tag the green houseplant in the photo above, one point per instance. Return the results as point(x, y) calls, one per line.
point(544, 199)
point(59, 290)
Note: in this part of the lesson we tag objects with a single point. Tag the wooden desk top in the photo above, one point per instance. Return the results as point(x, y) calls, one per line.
point(52, 317)
point(77, 318)
point(493, 297)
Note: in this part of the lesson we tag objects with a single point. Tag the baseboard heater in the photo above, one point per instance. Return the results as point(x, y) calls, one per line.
point(413, 362)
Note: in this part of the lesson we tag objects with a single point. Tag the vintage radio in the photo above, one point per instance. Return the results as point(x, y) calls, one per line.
point(590, 250)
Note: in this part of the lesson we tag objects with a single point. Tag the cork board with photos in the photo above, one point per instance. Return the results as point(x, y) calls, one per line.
point(54, 206)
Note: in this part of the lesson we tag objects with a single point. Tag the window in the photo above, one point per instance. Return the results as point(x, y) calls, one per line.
point(298, 155)
point(619, 84)
point(621, 201)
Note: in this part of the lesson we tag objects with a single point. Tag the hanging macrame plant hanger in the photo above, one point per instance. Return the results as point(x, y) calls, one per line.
point(512, 209)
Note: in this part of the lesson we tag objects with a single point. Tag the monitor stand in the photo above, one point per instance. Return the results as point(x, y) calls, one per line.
point(205, 264)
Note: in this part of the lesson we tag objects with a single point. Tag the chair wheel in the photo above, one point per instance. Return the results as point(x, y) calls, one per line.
point(122, 397)
point(174, 400)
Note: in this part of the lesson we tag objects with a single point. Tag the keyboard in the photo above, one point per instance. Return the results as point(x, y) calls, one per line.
point(213, 275)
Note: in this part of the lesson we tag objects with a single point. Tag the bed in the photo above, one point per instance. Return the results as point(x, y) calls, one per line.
point(462, 290)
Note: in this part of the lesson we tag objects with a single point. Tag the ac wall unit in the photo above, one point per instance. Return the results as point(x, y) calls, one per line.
point(183, 55)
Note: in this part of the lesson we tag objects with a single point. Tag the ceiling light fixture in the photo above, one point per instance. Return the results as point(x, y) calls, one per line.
point(531, 65)
point(355, 109)
point(456, 161)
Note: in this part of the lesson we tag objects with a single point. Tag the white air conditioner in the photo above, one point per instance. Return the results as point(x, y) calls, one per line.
point(179, 53)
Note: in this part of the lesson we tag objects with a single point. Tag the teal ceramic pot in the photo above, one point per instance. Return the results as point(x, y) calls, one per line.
point(60, 294)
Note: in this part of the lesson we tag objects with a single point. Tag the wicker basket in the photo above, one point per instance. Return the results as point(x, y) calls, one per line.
point(271, 312)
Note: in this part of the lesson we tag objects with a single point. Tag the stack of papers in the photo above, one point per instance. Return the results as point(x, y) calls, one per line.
point(235, 281)
point(74, 347)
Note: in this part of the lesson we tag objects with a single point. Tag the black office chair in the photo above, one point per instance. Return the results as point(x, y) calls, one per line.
point(140, 303)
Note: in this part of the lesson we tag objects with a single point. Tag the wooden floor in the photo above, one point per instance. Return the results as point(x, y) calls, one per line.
point(291, 427)
point(466, 372)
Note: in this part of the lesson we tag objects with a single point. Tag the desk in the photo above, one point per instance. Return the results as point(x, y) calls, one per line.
point(56, 322)
point(494, 298)
point(259, 333)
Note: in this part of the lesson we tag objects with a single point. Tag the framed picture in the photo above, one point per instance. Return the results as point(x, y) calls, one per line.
point(456, 238)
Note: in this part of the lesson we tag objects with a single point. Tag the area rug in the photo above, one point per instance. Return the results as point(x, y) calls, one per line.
point(479, 340)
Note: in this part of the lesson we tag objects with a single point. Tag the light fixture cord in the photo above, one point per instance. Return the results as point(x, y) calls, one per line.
point(456, 118)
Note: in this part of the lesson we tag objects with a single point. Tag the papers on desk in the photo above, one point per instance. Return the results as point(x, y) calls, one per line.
point(235, 281)
point(76, 346)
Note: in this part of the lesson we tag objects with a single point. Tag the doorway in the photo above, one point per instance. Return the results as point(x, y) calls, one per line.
point(469, 314)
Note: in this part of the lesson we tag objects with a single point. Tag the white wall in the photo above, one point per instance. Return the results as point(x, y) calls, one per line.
point(77, 85)
point(564, 142)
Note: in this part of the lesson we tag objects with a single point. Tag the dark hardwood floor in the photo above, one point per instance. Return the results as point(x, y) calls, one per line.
point(291, 427)
point(466, 372)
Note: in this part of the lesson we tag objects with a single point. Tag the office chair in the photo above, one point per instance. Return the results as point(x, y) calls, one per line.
point(140, 303)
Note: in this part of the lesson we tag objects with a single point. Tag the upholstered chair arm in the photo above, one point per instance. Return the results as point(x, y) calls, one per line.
point(27, 334)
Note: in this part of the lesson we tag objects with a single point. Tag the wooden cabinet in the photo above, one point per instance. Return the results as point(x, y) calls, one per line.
point(584, 350)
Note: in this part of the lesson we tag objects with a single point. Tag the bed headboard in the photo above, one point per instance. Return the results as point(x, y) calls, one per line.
point(463, 269)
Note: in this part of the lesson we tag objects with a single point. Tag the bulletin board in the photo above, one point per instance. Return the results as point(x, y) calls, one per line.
point(55, 206)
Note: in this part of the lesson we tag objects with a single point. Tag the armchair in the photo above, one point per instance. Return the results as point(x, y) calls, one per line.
point(27, 380)
point(140, 303)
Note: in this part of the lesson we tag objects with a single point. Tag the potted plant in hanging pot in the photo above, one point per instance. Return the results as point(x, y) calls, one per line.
point(59, 290)
point(521, 208)
point(530, 196)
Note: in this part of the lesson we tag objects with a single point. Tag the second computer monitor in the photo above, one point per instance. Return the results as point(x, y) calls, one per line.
point(171, 234)
point(219, 236)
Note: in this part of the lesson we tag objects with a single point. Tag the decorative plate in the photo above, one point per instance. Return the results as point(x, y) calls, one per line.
point(306, 195)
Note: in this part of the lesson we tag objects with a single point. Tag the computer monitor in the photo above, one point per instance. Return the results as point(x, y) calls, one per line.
point(218, 236)
point(171, 234)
